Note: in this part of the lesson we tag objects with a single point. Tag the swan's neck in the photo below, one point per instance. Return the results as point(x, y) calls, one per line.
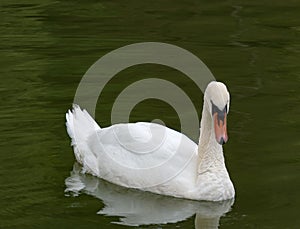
point(210, 152)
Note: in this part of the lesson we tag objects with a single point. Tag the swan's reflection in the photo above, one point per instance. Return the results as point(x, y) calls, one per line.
point(141, 208)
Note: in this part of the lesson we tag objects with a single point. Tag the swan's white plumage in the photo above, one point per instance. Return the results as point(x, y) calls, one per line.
point(150, 157)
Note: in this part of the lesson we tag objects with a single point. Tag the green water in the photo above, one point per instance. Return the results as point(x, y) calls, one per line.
point(45, 48)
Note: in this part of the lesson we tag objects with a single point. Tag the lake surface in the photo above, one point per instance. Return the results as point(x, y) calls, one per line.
point(254, 47)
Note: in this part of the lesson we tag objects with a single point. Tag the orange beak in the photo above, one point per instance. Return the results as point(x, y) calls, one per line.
point(220, 128)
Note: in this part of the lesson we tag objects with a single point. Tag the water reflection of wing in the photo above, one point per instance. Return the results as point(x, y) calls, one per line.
point(141, 208)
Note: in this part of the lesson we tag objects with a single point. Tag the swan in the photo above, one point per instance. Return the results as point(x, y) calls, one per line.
point(155, 158)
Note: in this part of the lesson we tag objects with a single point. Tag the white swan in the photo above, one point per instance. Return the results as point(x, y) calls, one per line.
point(154, 158)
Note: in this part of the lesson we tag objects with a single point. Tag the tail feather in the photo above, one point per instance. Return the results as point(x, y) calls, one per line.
point(80, 125)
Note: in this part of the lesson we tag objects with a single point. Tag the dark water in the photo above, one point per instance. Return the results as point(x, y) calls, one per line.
point(254, 47)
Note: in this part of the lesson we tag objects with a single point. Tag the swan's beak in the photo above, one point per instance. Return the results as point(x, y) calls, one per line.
point(220, 122)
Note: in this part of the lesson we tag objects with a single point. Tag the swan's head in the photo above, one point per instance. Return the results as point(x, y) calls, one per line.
point(217, 99)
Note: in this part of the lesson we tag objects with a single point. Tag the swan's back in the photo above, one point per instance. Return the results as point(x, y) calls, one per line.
point(139, 155)
point(130, 154)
